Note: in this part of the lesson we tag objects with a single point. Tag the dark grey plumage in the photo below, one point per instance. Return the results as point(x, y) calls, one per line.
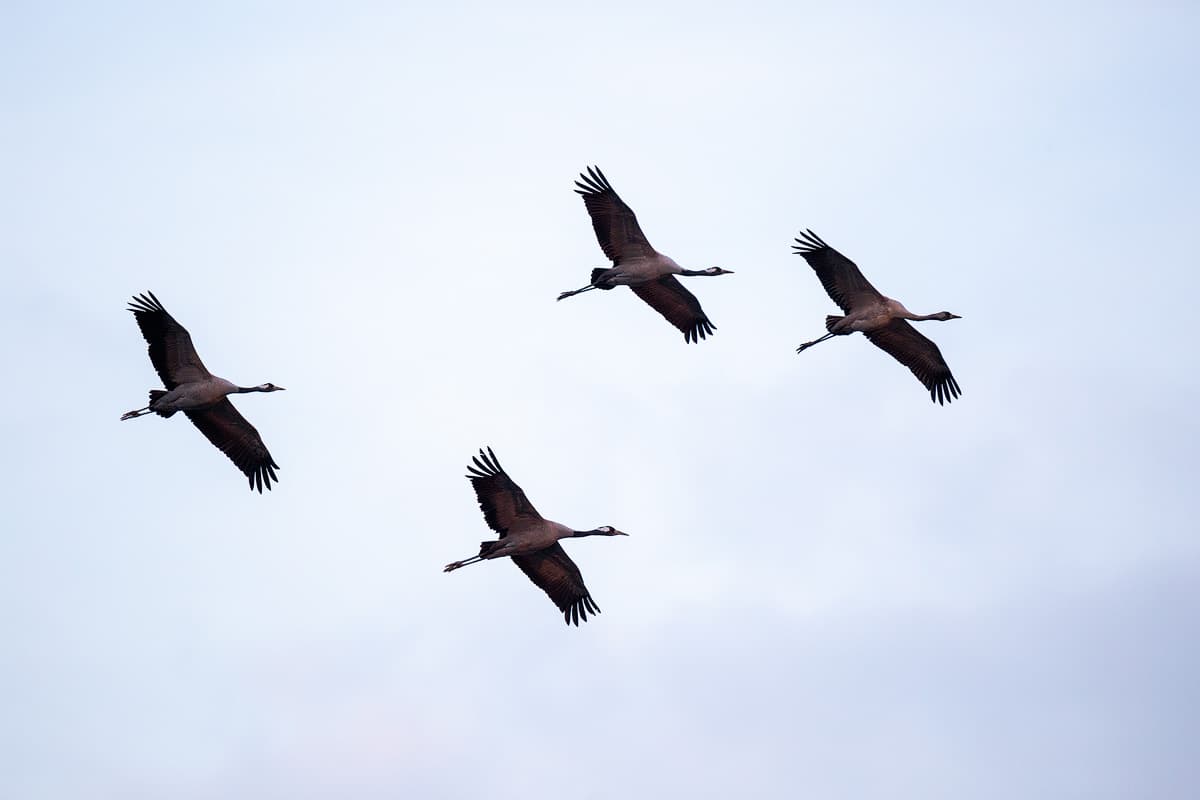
point(650, 274)
point(199, 394)
point(529, 539)
point(881, 319)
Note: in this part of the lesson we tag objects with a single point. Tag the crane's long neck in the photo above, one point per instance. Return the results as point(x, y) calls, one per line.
point(262, 387)
point(710, 272)
point(941, 316)
point(605, 530)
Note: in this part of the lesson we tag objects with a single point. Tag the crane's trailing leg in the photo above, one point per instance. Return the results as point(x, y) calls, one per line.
point(578, 291)
point(155, 394)
point(463, 563)
point(807, 345)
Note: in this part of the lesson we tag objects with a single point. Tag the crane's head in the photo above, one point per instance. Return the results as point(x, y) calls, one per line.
point(605, 530)
point(717, 271)
point(268, 387)
point(945, 315)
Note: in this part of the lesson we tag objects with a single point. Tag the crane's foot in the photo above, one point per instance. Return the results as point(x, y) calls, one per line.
point(807, 345)
point(132, 414)
point(456, 564)
point(565, 295)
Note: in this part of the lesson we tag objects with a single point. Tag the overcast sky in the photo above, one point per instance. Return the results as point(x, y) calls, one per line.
point(833, 588)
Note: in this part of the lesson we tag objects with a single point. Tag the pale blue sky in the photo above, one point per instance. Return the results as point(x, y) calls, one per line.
point(833, 588)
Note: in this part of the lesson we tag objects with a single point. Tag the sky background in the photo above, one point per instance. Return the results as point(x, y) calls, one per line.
point(833, 588)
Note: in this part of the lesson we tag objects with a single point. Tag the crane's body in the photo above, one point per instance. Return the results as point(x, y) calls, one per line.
point(529, 539)
point(881, 319)
point(875, 316)
point(523, 537)
point(202, 396)
point(649, 273)
point(193, 396)
point(636, 272)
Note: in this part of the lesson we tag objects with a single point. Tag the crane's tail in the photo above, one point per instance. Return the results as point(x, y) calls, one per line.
point(596, 273)
point(832, 320)
point(154, 395)
point(487, 548)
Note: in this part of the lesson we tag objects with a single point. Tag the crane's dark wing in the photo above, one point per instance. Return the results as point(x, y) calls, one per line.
point(905, 344)
point(171, 349)
point(616, 227)
point(668, 297)
point(554, 571)
point(844, 284)
point(237, 438)
point(501, 500)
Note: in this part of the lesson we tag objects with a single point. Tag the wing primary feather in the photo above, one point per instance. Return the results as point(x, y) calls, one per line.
point(229, 431)
point(677, 305)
